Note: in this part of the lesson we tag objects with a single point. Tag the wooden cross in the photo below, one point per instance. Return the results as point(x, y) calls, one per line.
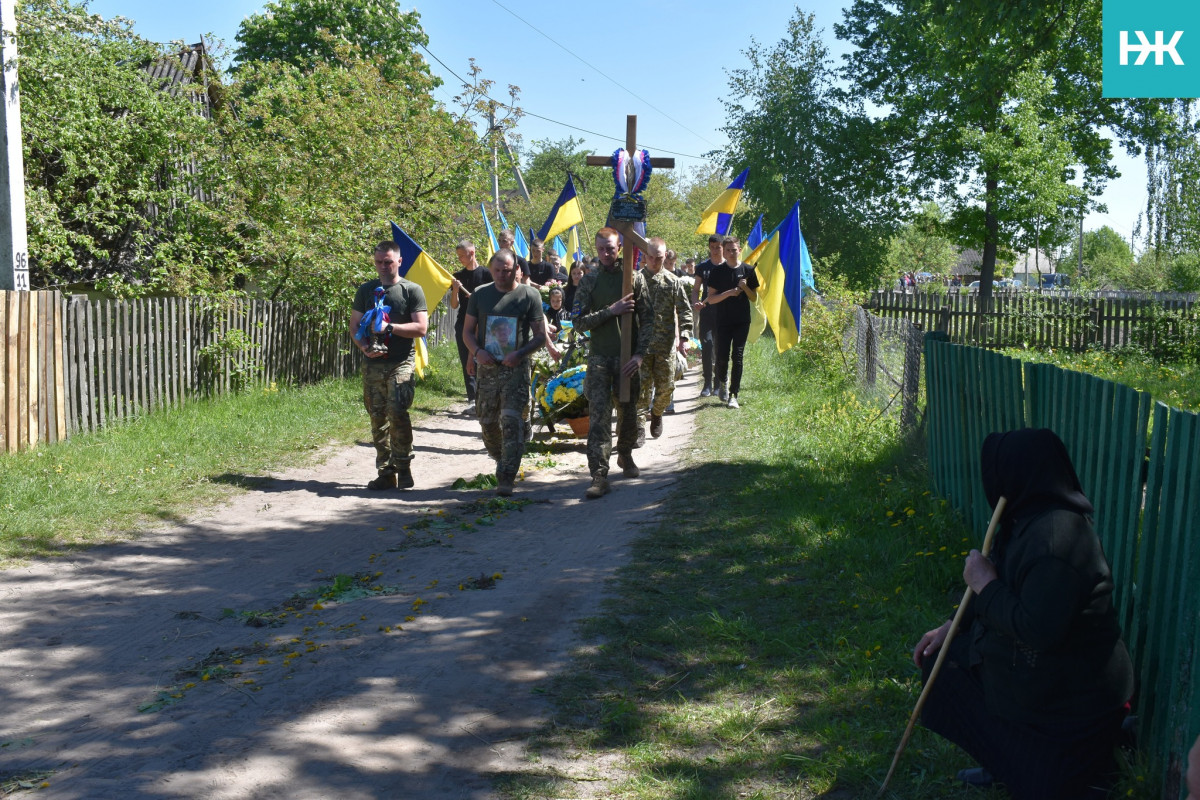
point(632, 242)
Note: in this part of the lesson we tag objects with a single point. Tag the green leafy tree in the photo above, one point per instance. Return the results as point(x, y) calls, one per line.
point(319, 161)
point(805, 139)
point(1107, 261)
point(107, 199)
point(964, 81)
point(920, 246)
point(305, 33)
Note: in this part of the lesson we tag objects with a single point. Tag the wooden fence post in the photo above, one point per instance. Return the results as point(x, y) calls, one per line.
point(912, 377)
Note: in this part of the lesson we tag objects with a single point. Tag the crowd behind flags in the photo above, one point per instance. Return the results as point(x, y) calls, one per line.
point(417, 266)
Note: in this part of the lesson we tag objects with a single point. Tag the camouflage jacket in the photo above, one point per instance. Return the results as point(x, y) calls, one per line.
point(668, 296)
point(592, 314)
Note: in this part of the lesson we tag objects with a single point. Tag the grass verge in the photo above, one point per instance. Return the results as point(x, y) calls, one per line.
point(103, 486)
point(758, 645)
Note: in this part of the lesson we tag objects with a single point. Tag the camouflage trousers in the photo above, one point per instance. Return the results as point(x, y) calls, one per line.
point(501, 403)
point(601, 387)
point(658, 382)
point(388, 390)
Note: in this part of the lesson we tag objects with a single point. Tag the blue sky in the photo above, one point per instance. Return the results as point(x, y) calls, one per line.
point(667, 62)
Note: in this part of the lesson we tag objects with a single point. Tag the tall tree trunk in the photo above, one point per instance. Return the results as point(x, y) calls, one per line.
point(991, 242)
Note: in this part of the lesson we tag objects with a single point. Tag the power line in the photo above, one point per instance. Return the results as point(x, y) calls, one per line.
point(601, 72)
point(555, 121)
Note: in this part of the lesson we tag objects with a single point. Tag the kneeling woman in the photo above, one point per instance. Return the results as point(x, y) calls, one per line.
point(1036, 688)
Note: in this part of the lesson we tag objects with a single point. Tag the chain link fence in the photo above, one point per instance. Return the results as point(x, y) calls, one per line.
point(887, 354)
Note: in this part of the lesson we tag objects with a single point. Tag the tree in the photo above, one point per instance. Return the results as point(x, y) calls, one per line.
point(1107, 260)
point(920, 246)
point(304, 33)
point(805, 139)
point(318, 162)
point(964, 79)
point(106, 199)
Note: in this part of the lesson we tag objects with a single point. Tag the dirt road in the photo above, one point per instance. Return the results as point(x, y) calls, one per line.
point(312, 639)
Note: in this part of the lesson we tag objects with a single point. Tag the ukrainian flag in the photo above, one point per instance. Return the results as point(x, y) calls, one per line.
point(565, 213)
point(519, 243)
point(561, 249)
point(576, 250)
point(780, 279)
point(719, 214)
point(492, 246)
point(755, 242)
point(417, 266)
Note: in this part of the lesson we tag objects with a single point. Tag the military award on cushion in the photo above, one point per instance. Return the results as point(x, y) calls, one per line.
point(631, 174)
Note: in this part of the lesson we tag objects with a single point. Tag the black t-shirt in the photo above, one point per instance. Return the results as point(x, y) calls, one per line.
point(471, 279)
point(732, 310)
point(702, 270)
point(523, 265)
point(541, 272)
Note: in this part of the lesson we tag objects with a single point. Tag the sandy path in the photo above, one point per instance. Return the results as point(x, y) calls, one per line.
point(340, 707)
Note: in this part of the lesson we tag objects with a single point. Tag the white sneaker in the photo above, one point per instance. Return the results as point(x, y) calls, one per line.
point(733, 403)
point(722, 393)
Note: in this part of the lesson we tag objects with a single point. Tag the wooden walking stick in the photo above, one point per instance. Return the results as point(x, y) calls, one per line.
point(941, 656)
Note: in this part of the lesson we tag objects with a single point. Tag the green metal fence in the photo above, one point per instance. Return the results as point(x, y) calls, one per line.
point(1147, 503)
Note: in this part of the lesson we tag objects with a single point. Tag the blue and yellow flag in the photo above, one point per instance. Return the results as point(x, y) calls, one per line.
point(755, 244)
point(417, 266)
point(719, 213)
point(565, 213)
point(561, 249)
point(490, 242)
point(576, 250)
point(781, 286)
point(519, 244)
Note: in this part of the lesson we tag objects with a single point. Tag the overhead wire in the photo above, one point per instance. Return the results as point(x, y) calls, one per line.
point(613, 80)
point(502, 104)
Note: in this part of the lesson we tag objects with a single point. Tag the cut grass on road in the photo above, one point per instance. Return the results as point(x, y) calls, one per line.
point(759, 643)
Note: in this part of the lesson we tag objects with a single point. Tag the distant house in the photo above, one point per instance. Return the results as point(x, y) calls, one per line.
point(968, 266)
point(1030, 264)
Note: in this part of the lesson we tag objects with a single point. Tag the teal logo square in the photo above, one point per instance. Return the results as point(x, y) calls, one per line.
point(1151, 48)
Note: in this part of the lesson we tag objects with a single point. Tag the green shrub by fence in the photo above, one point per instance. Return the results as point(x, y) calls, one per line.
point(1152, 543)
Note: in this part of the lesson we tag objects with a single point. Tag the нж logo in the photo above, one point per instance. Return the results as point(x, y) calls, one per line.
point(1145, 48)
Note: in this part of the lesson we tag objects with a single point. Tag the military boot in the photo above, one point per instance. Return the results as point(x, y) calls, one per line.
point(404, 478)
point(598, 489)
point(628, 468)
point(656, 425)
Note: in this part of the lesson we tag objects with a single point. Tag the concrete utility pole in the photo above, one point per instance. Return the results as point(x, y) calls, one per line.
point(14, 239)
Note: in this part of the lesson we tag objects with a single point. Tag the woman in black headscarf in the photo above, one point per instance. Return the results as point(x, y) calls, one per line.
point(1038, 685)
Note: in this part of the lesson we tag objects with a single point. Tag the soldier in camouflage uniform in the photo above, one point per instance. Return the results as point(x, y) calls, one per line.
point(388, 383)
point(667, 297)
point(600, 309)
point(504, 326)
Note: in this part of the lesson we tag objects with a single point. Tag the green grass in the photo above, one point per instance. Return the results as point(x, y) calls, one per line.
point(104, 486)
point(759, 644)
point(1176, 384)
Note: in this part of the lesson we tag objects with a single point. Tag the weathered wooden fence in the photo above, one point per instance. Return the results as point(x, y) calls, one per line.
point(1030, 319)
point(1147, 502)
point(72, 364)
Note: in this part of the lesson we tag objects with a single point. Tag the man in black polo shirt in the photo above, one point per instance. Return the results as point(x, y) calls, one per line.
point(465, 282)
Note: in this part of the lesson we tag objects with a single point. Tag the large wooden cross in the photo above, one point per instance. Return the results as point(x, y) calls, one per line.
point(633, 241)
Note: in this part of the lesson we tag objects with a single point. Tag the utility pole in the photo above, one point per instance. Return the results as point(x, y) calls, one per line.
point(515, 168)
point(495, 157)
point(14, 238)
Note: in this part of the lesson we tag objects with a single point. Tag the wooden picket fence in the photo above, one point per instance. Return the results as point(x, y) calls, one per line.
point(71, 364)
point(1041, 321)
point(1144, 480)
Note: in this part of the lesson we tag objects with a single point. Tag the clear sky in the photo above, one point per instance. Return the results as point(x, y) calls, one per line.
point(587, 64)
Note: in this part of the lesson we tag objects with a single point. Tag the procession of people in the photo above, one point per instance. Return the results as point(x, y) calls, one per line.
point(512, 308)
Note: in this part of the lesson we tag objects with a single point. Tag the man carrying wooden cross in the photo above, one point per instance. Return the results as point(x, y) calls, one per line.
point(601, 309)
